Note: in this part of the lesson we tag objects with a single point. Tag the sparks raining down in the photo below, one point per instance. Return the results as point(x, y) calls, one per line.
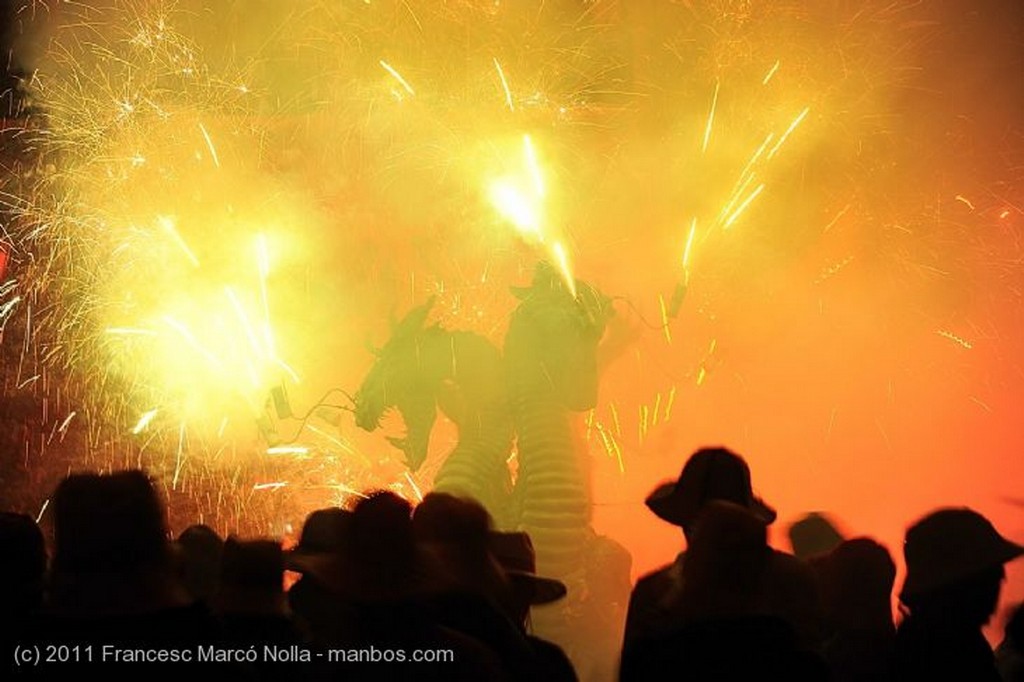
point(63, 428)
point(276, 485)
point(833, 270)
point(167, 224)
point(711, 120)
point(415, 488)
point(504, 85)
point(962, 342)
point(670, 403)
point(209, 145)
point(664, 319)
point(965, 201)
point(615, 420)
point(144, 421)
point(688, 250)
point(743, 206)
point(785, 136)
point(42, 510)
point(398, 77)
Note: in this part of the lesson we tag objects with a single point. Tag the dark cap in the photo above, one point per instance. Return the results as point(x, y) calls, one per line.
point(950, 545)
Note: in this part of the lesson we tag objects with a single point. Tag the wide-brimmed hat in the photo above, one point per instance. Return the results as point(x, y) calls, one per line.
point(323, 533)
point(514, 551)
point(709, 474)
point(950, 545)
point(377, 560)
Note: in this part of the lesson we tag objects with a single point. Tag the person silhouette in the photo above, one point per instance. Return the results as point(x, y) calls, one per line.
point(22, 578)
point(857, 578)
point(718, 474)
point(955, 560)
point(200, 549)
point(721, 629)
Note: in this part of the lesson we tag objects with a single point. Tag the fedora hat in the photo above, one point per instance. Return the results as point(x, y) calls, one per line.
point(514, 551)
point(709, 474)
point(949, 545)
point(323, 533)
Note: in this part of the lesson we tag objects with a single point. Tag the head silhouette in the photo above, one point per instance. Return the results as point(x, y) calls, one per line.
point(955, 561)
point(108, 523)
point(458, 530)
point(709, 474)
point(252, 577)
point(324, 531)
point(200, 549)
point(857, 581)
point(111, 548)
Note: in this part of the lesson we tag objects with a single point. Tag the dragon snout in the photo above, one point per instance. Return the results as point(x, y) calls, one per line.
point(368, 413)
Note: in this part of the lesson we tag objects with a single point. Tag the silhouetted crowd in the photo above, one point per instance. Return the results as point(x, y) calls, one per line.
point(388, 590)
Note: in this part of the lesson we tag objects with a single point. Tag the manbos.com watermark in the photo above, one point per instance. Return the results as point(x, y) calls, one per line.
point(372, 654)
point(63, 654)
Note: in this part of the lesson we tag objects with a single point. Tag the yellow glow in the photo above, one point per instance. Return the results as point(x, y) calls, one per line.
point(243, 319)
point(192, 341)
point(129, 331)
point(515, 207)
point(170, 228)
point(520, 200)
point(530, 155)
point(288, 450)
point(263, 266)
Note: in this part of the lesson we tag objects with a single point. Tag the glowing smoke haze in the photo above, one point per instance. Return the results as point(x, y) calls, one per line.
point(235, 195)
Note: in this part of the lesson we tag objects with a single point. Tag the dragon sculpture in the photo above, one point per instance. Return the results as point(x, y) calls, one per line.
point(551, 361)
point(549, 371)
point(422, 369)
